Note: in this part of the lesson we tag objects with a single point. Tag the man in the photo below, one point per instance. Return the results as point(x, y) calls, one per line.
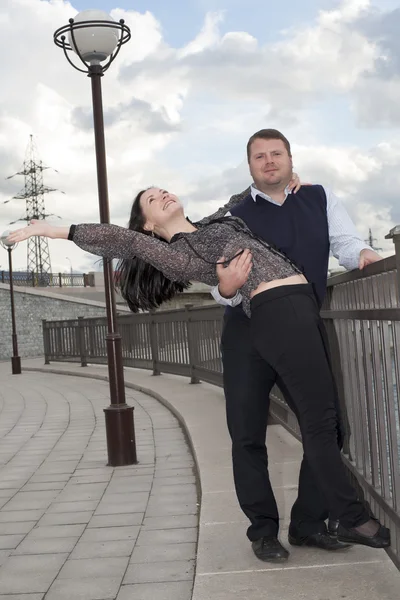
point(306, 226)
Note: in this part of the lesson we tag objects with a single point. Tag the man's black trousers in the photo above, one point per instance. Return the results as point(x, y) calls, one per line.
point(284, 343)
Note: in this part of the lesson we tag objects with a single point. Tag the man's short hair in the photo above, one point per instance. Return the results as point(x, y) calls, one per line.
point(268, 134)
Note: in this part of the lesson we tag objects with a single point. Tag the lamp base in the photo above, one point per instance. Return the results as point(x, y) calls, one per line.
point(16, 365)
point(120, 432)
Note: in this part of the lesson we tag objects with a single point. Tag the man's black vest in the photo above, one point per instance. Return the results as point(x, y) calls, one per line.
point(298, 227)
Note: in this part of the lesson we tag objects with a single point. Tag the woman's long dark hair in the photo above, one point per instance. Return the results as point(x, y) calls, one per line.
point(143, 286)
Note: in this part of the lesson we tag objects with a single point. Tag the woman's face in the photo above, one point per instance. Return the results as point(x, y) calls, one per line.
point(159, 207)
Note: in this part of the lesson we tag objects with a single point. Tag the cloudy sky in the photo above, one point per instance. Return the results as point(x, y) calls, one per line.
point(196, 80)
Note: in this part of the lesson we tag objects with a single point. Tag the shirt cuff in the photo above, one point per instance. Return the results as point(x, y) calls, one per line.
point(71, 233)
point(350, 259)
point(234, 301)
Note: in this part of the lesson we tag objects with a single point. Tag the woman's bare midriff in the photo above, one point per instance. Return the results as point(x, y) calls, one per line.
point(263, 286)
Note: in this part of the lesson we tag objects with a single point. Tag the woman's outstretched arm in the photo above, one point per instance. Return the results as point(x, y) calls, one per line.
point(112, 241)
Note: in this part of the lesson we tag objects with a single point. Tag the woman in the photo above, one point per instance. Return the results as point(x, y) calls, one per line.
point(161, 251)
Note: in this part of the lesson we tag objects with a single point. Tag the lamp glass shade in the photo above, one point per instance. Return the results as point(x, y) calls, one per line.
point(95, 43)
point(3, 240)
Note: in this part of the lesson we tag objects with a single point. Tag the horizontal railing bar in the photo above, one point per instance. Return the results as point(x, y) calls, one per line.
point(382, 266)
point(367, 314)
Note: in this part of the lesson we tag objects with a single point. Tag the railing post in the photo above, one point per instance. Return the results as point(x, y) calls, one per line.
point(394, 234)
point(193, 344)
point(46, 342)
point(154, 343)
point(81, 341)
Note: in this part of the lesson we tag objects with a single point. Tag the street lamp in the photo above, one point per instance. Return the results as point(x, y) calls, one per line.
point(96, 38)
point(15, 359)
point(70, 270)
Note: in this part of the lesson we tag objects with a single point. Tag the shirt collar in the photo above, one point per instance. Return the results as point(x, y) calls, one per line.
point(255, 192)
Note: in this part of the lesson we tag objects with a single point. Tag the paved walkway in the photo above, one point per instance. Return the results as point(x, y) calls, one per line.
point(72, 528)
point(52, 430)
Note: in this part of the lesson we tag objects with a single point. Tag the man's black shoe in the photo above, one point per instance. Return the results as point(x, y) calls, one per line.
point(319, 540)
point(380, 540)
point(333, 527)
point(269, 548)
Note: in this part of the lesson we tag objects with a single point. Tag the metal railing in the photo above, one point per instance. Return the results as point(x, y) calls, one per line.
point(31, 279)
point(362, 317)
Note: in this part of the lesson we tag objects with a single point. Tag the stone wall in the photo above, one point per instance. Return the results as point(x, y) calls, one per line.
point(180, 300)
point(31, 307)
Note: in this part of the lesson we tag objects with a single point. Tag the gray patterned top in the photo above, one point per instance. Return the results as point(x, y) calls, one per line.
point(190, 256)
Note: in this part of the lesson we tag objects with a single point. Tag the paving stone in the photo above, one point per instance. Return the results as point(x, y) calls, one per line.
point(31, 497)
point(81, 479)
point(160, 571)
point(85, 487)
point(63, 456)
point(20, 503)
point(119, 520)
point(103, 549)
point(93, 567)
point(78, 495)
point(102, 534)
point(122, 476)
point(129, 486)
point(30, 574)
point(10, 541)
point(101, 588)
point(170, 522)
point(8, 484)
point(56, 531)
point(64, 507)
point(64, 467)
point(70, 518)
point(50, 478)
point(134, 498)
point(110, 508)
point(167, 536)
point(176, 590)
point(170, 496)
point(173, 472)
point(181, 461)
point(20, 516)
point(46, 546)
point(163, 553)
point(157, 509)
point(43, 486)
point(93, 472)
point(176, 480)
point(17, 527)
point(4, 554)
point(8, 493)
point(22, 597)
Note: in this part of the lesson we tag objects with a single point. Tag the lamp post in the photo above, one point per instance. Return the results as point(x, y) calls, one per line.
point(97, 39)
point(15, 359)
point(70, 270)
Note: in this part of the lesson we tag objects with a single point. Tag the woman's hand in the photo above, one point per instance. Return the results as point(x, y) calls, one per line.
point(295, 183)
point(234, 276)
point(36, 227)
